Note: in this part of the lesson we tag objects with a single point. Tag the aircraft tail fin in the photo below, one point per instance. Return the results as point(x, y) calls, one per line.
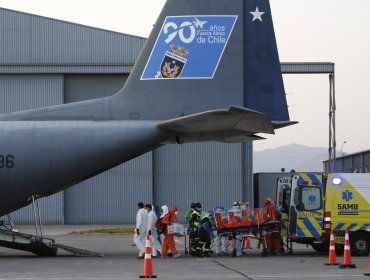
point(205, 55)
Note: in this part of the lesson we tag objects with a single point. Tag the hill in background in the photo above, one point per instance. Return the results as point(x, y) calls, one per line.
point(293, 156)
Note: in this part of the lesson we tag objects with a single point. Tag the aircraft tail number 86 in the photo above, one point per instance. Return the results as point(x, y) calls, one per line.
point(6, 161)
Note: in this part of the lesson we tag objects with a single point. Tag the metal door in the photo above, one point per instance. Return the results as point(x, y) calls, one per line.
point(306, 206)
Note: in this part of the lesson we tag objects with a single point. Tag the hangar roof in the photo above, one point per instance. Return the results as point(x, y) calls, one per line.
point(36, 44)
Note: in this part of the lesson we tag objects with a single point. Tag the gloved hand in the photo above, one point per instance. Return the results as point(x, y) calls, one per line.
point(169, 223)
point(138, 231)
point(149, 232)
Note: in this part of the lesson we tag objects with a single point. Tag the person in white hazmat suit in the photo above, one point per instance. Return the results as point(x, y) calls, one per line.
point(220, 241)
point(236, 243)
point(141, 229)
point(152, 231)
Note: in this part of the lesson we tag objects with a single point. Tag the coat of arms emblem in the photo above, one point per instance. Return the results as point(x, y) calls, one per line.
point(173, 62)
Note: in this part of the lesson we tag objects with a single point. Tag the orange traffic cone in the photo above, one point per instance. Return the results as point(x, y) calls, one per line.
point(368, 268)
point(332, 259)
point(247, 243)
point(347, 260)
point(148, 268)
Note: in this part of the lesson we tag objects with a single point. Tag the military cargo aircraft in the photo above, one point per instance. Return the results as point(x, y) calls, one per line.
point(209, 71)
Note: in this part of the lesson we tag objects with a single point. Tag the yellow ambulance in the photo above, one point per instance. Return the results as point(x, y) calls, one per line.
point(313, 205)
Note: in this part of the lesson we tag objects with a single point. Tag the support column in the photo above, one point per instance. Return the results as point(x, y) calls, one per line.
point(332, 137)
point(247, 166)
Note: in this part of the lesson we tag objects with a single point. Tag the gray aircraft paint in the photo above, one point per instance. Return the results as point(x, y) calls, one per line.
point(52, 155)
point(46, 150)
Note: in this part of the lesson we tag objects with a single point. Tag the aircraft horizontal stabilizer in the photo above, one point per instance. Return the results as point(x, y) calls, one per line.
point(226, 125)
point(241, 138)
point(281, 124)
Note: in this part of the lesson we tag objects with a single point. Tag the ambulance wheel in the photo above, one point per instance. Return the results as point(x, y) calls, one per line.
point(339, 249)
point(360, 244)
point(264, 253)
point(320, 247)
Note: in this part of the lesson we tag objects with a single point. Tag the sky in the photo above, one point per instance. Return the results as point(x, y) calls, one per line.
point(306, 30)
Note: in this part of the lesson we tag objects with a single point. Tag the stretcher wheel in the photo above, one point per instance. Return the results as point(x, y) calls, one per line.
point(264, 253)
point(233, 253)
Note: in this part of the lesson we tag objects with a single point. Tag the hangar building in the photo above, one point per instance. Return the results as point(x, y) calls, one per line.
point(350, 163)
point(46, 62)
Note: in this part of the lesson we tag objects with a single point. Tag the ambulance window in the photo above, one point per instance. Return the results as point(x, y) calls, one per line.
point(297, 195)
point(311, 198)
point(286, 201)
point(281, 196)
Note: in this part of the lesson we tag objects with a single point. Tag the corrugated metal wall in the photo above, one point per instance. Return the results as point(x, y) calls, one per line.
point(51, 209)
point(22, 92)
point(112, 196)
point(84, 87)
point(210, 173)
point(30, 39)
point(367, 163)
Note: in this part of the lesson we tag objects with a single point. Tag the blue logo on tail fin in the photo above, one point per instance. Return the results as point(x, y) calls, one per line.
point(189, 47)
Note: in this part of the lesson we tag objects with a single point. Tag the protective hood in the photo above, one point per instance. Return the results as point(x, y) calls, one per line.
point(164, 209)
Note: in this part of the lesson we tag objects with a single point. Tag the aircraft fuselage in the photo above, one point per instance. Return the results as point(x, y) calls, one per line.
point(43, 157)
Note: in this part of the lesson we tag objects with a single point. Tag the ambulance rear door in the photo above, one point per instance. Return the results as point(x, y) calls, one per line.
point(306, 214)
point(284, 186)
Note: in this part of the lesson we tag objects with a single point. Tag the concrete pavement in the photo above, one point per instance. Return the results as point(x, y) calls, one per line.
point(119, 261)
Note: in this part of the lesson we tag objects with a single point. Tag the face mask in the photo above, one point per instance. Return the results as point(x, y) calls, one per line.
point(176, 213)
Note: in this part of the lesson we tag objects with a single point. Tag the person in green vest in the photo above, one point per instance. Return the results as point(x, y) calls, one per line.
point(206, 229)
point(193, 230)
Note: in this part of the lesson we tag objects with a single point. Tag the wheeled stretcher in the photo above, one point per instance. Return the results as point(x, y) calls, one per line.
point(238, 224)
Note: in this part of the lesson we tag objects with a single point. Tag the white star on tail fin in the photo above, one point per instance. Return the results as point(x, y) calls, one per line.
point(257, 14)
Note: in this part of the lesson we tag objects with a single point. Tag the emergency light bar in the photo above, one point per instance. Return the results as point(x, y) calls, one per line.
point(336, 181)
